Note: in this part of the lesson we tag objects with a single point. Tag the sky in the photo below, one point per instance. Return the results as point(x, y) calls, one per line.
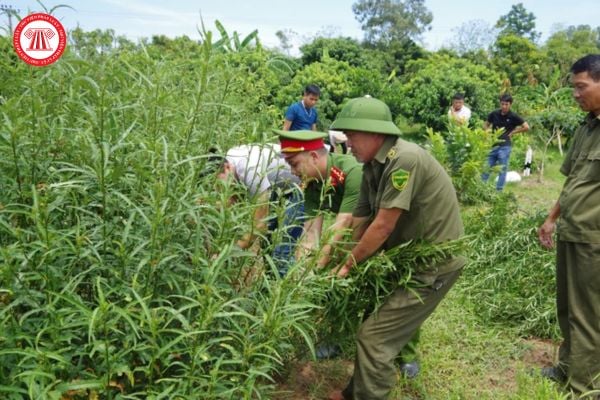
point(305, 18)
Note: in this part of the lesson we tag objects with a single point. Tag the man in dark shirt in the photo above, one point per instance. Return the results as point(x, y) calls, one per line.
point(507, 124)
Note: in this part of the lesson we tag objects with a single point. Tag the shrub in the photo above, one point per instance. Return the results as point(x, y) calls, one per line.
point(424, 93)
point(118, 274)
point(510, 277)
point(463, 152)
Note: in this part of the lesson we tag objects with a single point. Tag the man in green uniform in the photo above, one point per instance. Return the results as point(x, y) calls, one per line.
point(405, 195)
point(578, 244)
point(331, 184)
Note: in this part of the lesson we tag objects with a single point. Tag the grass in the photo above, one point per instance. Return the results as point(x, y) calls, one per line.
point(535, 192)
point(461, 359)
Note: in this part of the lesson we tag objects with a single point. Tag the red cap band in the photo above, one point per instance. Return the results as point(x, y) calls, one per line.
point(295, 146)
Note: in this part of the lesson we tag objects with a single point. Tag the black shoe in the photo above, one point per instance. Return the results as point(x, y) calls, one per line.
point(554, 373)
point(410, 370)
point(327, 351)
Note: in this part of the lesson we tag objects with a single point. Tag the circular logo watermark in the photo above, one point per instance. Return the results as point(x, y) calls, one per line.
point(39, 39)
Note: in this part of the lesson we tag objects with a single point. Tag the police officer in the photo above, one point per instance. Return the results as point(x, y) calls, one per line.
point(578, 244)
point(331, 184)
point(405, 195)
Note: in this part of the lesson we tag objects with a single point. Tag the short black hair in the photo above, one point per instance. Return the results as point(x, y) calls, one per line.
point(506, 97)
point(589, 64)
point(214, 162)
point(458, 96)
point(312, 89)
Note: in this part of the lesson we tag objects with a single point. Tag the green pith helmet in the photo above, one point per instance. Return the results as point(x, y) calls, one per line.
point(366, 114)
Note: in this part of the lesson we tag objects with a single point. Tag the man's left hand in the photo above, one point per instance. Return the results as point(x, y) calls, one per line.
point(243, 244)
point(343, 269)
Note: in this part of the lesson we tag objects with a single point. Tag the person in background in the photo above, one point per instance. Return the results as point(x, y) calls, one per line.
point(302, 115)
point(578, 241)
point(335, 138)
point(458, 112)
point(268, 180)
point(405, 195)
point(507, 124)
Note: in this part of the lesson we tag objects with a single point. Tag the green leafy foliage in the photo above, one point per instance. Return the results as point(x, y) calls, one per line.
point(518, 22)
point(118, 274)
point(553, 115)
point(511, 277)
point(368, 284)
point(463, 152)
point(572, 43)
point(338, 82)
point(424, 95)
point(227, 42)
point(385, 21)
point(518, 60)
point(341, 49)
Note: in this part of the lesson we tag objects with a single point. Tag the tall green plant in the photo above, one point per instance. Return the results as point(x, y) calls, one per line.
point(510, 277)
point(118, 273)
point(463, 152)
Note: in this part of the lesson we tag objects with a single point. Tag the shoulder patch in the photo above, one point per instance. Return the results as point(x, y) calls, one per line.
point(399, 179)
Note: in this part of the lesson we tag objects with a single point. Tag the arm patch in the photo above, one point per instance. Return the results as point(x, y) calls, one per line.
point(399, 179)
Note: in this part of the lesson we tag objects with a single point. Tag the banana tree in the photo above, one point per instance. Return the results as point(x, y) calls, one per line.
point(229, 43)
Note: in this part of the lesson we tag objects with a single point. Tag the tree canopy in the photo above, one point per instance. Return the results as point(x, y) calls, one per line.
point(385, 21)
point(518, 22)
point(473, 35)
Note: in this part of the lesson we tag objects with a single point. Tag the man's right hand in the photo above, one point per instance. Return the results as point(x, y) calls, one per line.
point(545, 233)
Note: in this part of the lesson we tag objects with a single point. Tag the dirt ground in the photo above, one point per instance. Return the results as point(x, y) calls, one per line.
point(316, 379)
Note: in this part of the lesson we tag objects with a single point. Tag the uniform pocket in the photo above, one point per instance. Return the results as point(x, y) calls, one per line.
point(592, 167)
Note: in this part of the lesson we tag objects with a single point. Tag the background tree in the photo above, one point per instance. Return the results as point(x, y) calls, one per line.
point(430, 83)
point(566, 45)
point(385, 21)
point(286, 39)
point(553, 113)
point(473, 35)
point(329, 31)
point(92, 43)
point(519, 60)
point(340, 48)
point(397, 55)
point(518, 22)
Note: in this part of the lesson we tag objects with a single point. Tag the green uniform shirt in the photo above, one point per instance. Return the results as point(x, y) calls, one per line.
point(339, 192)
point(580, 198)
point(405, 176)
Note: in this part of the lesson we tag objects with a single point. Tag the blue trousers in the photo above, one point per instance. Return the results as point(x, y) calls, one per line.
point(291, 221)
point(500, 155)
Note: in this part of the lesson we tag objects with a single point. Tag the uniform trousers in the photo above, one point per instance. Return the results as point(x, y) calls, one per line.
point(385, 333)
point(578, 309)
